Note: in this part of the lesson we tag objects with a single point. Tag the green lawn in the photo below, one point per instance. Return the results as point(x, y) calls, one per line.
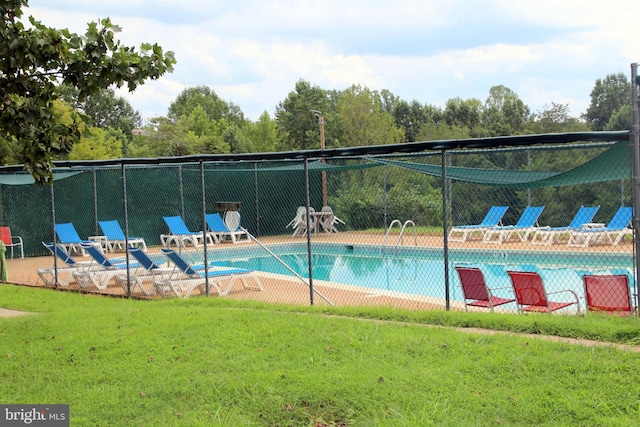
point(213, 361)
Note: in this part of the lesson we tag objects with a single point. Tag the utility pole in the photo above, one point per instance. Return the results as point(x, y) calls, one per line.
point(318, 114)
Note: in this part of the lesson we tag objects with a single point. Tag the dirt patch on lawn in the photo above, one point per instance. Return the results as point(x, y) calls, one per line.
point(5, 313)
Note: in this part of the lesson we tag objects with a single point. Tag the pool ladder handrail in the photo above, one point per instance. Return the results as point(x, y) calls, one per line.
point(401, 234)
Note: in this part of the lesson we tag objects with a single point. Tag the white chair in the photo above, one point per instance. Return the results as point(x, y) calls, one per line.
point(328, 220)
point(299, 222)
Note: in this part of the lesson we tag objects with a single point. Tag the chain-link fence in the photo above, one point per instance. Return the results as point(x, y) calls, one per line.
point(394, 234)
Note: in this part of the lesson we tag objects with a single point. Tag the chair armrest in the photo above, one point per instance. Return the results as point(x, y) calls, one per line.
point(571, 292)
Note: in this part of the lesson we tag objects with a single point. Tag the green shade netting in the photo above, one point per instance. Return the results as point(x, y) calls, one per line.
point(23, 178)
point(612, 164)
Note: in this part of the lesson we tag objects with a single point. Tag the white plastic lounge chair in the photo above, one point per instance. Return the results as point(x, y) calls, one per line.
point(296, 222)
point(63, 270)
point(299, 222)
point(550, 235)
point(193, 277)
point(222, 231)
point(69, 238)
point(102, 271)
point(116, 238)
point(525, 226)
point(328, 220)
point(143, 276)
point(11, 241)
point(611, 234)
point(462, 233)
point(181, 235)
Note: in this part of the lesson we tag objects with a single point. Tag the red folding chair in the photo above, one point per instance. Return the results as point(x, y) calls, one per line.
point(475, 289)
point(608, 293)
point(532, 296)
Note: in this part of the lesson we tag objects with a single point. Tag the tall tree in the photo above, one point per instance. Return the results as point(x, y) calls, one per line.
point(363, 121)
point(106, 111)
point(553, 119)
point(607, 96)
point(214, 107)
point(409, 117)
point(36, 58)
point(297, 124)
point(504, 112)
point(263, 134)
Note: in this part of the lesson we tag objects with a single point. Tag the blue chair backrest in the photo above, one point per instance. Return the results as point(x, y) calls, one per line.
point(179, 262)
point(622, 218)
point(142, 257)
point(176, 225)
point(67, 233)
point(584, 216)
point(97, 255)
point(529, 216)
point(112, 230)
point(61, 253)
point(494, 216)
point(215, 223)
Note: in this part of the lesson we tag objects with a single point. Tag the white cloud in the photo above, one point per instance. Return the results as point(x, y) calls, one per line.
point(252, 52)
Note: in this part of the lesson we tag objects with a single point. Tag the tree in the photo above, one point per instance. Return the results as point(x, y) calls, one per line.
point(37, 58)
point(263, 134)
point(214, 107)
point(409, 117)
point(554, 119)
point(297, 125)
point(106, 111)
point(607, 96)
point(364, 122)
point(504, 112)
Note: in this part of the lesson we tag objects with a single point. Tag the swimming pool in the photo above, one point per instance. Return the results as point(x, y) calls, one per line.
point(420, 271)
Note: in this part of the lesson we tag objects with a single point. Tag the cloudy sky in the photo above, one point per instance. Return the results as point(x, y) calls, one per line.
point(252, 52)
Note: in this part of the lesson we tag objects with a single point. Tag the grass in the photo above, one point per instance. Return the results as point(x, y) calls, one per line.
point(214, 361)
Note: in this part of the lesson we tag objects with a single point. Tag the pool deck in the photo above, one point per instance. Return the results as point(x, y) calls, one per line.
point(290, 290)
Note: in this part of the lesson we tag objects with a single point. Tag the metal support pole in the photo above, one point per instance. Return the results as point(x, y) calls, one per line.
point(307, 203)
point(445, 227)
point(125, 209)
point(54, 239)
point(635, 142)
point(257, 199)
point(95, 204)
point(204, 229)
point(181, 191)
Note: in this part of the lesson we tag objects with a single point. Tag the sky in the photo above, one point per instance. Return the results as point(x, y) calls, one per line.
point(252, 52)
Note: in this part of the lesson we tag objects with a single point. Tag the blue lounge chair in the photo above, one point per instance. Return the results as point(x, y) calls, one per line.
point(61, 273)
point(181, 235)
point(462, 233)
point(103, 269)
point(221, 231)
point(194, 277)
point(148, 271)
point(69, 238)
point(550, 235)
point(525, 226)
point(116, 238)
point(612, 234)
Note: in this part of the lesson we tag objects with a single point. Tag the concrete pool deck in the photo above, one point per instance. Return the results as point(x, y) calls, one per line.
point(290, 290)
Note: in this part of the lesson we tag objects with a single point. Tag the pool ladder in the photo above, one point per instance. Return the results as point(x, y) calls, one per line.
point(400, 238)
point(388, 262)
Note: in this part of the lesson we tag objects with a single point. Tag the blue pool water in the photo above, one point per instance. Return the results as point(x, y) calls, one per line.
point(420, 271)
